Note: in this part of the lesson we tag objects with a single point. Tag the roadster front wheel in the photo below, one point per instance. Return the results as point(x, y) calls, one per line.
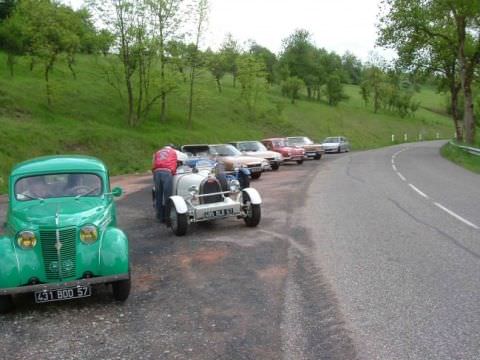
point(253, 212)
point(177, 222)
point(6, 304)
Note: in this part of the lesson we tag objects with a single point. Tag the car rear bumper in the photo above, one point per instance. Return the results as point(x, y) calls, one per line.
point(52, 286)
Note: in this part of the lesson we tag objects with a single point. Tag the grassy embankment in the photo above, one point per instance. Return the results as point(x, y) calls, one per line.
point(88, 117)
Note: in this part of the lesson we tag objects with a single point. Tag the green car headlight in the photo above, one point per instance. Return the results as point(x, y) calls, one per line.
point(26, 239)
point(88, 234)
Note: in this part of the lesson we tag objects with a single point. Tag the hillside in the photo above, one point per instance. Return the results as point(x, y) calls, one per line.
point(88, 117)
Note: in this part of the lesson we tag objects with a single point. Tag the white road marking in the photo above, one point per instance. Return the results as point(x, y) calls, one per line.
point(421, 193)
point(418, 191)
point(456, 216)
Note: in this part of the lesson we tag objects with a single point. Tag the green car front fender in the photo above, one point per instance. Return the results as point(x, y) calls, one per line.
point(114, 257)
point(9, 275)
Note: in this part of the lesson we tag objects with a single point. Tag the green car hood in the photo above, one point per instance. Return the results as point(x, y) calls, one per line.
point(71, 212)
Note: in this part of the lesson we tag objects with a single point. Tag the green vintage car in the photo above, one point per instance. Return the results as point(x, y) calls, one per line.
point(60, 237)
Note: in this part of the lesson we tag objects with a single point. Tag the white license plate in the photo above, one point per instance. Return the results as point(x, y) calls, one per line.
point(218, 213)
point(68, 293)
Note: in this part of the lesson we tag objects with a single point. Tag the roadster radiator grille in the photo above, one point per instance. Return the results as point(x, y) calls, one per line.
point(210, 186)
point(64, 267)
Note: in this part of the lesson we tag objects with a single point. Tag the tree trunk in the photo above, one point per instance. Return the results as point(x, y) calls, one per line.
point(47, 71)
point(234, 80)
point(466, 76)
point(10, 63)
point(469, 117)
point(219, 84)
point(163, 107)
point(131, 120)
point(190, 102)
point(454, 90)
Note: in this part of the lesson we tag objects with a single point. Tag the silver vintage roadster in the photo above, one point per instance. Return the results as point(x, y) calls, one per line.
point(201, 195)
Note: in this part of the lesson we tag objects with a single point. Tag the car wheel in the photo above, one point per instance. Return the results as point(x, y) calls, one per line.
point(300, 162)
point(339, 150)
point(6, 304)
point(177, 222)
point(253, 212)
point(121, 289)
point(275, 166)
point(256, 175)
point(318, 156)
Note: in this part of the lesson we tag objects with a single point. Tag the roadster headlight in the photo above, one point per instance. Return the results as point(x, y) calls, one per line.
point(234, 186)
point(193, 190)
point(27, 239)
point(88, 234)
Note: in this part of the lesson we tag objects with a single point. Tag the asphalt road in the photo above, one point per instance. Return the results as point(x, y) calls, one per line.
point(368, 255)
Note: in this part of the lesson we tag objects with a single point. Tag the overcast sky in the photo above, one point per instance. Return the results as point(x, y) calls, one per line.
point(337, 25)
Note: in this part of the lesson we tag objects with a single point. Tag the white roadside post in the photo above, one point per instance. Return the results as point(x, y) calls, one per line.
point(393, 138)
point(420, 137)
point(438, 135)
point(405, 137)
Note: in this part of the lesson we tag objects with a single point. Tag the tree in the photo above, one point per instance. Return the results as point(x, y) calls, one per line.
point(253, 79)
point(352, 67)
point(334, 89)
point(104, 41)
point(445, 33)
point(217, 65)
point(299, 55)
point(292, 87)
point(268, 57)
point(6, 8)
point(45, 30)
point(200, 12)
point(14, 40)
point(372, 85)
point(230, 50)
point(167, 17)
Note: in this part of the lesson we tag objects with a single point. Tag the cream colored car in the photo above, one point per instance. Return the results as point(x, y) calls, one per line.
point(257, 149)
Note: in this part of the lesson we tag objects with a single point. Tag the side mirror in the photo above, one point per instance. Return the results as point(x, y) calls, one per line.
point(117, 192)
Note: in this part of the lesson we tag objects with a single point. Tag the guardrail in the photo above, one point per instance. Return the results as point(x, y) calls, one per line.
point(469, 149)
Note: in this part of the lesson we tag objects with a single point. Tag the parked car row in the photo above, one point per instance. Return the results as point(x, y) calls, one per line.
point(61, 235)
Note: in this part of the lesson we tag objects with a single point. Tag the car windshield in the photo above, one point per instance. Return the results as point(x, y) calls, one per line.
point(58, 185)
point(301, 140)
point(251, 146)
point(224, 150)
point(332, 140)
point(279, 143)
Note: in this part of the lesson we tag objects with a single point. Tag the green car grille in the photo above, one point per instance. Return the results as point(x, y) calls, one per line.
point(63, 266)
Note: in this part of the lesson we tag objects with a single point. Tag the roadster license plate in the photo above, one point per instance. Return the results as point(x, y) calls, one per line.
point(62, 294)
point(218, 213)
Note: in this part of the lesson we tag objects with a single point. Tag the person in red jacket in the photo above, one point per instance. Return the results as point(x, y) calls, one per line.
point(164, 166)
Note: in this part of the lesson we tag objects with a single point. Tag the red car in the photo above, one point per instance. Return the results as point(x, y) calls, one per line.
point(289, 153)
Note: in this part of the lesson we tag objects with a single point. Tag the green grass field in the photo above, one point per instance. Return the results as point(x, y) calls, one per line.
point(88, 117)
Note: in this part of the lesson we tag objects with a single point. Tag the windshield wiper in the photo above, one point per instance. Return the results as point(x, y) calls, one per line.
point(87, 193)
point(31, 197)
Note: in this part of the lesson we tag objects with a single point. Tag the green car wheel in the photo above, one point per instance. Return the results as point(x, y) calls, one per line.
point(121, 289)
point(6, 304)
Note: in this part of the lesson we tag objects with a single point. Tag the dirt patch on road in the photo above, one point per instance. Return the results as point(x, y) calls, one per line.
point(202, 256)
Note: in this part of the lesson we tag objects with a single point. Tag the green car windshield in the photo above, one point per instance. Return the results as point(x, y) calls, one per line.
point(58, 185)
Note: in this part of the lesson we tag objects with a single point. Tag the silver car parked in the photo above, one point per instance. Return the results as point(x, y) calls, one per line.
point(336, 144)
